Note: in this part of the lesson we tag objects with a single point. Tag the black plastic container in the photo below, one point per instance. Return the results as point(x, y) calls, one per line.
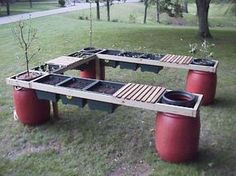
point(150, 68)
point(127, 65)
point(111, 52)
point(204, 62)
point(47, 96)
point(179, 98)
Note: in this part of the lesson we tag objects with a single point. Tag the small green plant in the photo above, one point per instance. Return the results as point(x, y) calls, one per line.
point(205, 49)
point(115, 20)
point(132, 18)
point(62, 3)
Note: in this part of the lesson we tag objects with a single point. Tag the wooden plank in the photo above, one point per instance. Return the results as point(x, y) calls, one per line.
point(179, 59)
point(144, 93)
point(182, 59)
point(166, 58)
point(130, 91)
point(174, 61)
point(148, 94)
point(188, 61)
point(158, 95)
point(135, 91)
point(121, 89)
point(125, 91)
point(139, 92)
point(154, 94)
point(175, 56)
point(172, 57)
point(157, 63)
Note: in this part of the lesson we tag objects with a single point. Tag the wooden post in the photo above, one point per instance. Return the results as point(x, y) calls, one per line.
point(54, 106)
point(98, 69)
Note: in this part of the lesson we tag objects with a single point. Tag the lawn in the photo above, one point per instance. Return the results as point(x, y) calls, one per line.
point(92, 143)
point(220, 15)
point(24, 7)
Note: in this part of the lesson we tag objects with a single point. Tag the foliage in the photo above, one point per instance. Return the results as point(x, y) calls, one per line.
point(205, 49)
point(173, 9)
point(25, 36)
point(132, 18)
point(62, 3)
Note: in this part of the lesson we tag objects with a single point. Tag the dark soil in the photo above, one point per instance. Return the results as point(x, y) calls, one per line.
point(131, 54)
point(52, 79)
point(28, 76)
point(111, 52)
point(47, 68)
point(151, 56)
point(77, 83)
point(80, 54)
point(105, 88)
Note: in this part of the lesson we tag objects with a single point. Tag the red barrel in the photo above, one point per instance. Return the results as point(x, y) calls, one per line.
point(177, 137)
point(202, 83)
point(90, 71)
point(29, 109)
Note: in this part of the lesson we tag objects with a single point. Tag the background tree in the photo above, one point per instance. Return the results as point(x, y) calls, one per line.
point(158, 10)
point(202, 12)
point(145, 11)
point(98, 9)
point(108, 10)
point(185, 6)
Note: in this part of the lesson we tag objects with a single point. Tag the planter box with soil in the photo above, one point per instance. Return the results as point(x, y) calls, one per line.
point(51, 80)
point(103, 87)
point(50, 68)
point(75, 83)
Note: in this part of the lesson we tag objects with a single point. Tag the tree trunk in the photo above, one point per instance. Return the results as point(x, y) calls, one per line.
point(30, 1)
point(158, 11)
point(8, 7)
point(145, 11)
point(108, 10)
point(98, 9)
point(202, 9)
point(185, 6)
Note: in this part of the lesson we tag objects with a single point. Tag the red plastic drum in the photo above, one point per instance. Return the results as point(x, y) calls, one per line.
point(29, 109)
point(202, 83)
point(90, 71)
point(177, 137)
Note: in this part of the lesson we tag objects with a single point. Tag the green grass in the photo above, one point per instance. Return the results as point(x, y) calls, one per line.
point(85, 142)
point(220, 15)
point(24, 7)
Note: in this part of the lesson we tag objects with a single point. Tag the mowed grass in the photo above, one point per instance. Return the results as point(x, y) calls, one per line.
point(24, 7)
point(220, 15)
point(92, 143)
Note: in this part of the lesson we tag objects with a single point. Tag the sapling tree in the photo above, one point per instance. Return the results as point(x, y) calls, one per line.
point(25, 36)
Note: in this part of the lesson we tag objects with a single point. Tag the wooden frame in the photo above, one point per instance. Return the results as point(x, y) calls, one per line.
point(190, 112)
point(159, 63)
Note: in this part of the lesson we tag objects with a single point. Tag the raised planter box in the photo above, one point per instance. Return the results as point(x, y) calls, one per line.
point(111, 52)
point(126, 65)
point(51, 80)
point(98, 105)
point(47, 96)
point(47, 68)
point(131, 54)
point(150, 68)
point(111, 63)
point(152, 56)
point(103, 87)
point(75, 83)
